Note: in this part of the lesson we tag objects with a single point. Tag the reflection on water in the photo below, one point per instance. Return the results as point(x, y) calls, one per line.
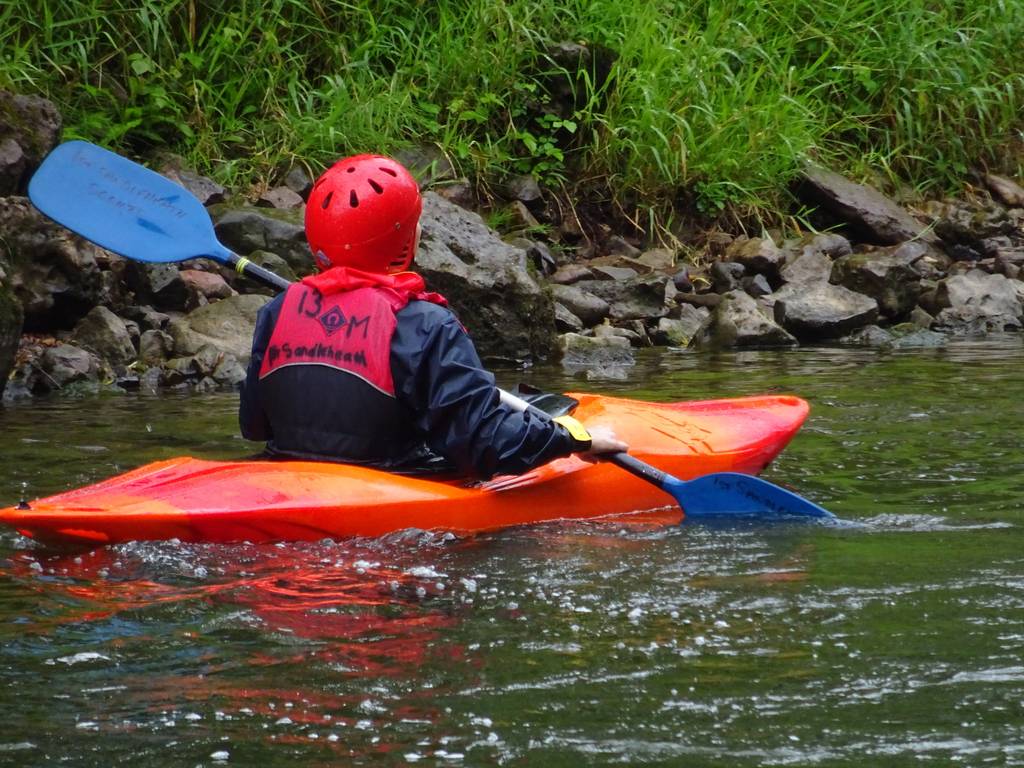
point(896, 642)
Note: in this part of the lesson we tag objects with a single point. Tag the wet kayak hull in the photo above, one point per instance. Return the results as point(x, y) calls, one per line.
point(259, 501)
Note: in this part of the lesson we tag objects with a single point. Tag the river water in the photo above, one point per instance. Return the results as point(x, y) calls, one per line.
point(894, 642)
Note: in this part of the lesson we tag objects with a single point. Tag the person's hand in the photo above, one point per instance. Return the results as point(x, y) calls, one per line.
point(603, 440)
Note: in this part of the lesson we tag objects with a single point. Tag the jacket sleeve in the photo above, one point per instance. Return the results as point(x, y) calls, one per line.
point(439, 377)
point(252, 419)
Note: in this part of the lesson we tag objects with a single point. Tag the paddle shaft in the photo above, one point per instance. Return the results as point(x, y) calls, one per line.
point(629, 463)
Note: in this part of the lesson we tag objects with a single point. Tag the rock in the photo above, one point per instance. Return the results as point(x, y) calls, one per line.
point(681, 280)
point(758, 255)
point(679, 332)
point(526, 190)
point(616, 245)
point(522, 216)
point(247, 229)
point(30, 127)
point(917, 338)
point(825, 312)
point(590, 309)
point(538, 253)
point(597, 352)
point(637, 298)
point(459, 192)
point(66, 364)
point(162, 286)
point(282, 198)
point(870, 336)
point(104, 333)
point(566, 321)
point(635, 337)
point(874, 217)
point(1007, 190)
point(977, 302)
point(147, 318)
point(298, 180)
point(660, 259)
point(227, 325)
point(607, 272)
point(486, 281)
point(229, 371)
point(709, 300)
point(811, 266)
point(921, 318)
point(738, 322)
point(571, 273)
point(269, 261)
point(53, 273)
point(887, 275)
point(11, 317)
point(155, 347)
point(209, 284)
point(206, 190)
point(725, 276)
point(755, 285)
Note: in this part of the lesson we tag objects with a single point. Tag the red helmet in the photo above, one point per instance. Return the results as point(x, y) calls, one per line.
point(363, 213)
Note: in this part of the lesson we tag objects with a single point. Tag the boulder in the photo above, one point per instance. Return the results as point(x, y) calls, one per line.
point(566, 321)
point(636, 298)
point(30, 127)
point(571, 273)
point(487, 282)
point(1007, 190)
point(11, 316)
point(597, 352)
point(887, 275)
point(758, 256)
point(66, 364)
point(155, 347)
point(206, 190)
point(824, 311)
point(208, 284)
point(105, 334)
point(737, 321)
point(590, 309)
point(874, 217)
point(247, 229)
point(162, 286)
point(53, 273)
point(227, 325)
point(282, 198)
point(976, 301)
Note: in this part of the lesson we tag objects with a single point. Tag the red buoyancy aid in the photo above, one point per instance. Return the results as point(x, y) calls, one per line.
point(344, 318)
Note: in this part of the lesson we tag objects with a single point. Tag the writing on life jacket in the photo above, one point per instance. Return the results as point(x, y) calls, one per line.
point(350, 331)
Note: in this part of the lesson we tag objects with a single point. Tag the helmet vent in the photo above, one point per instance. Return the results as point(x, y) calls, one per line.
point(376, 187)
point(327, 200)
point(353, 199)
point(389, 171)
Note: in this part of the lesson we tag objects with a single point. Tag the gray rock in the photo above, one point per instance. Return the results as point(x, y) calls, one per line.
point(487, 282)
point(595, 352)
point(638, 298)
point(1007, 190)
point(737, 321)
point(726, 275)
point(30, 127)
point(229, 371)
point(162, 286)
point(11, 317)
point(872, 215)
point(921, 318)
point(53, 273)
point(208, 284)
point(525, 189)
point(206, 190)
point(660, 259)
point(755, 285)
point(105, 334)
point(619, 246)
point(297, 179)
point(155, 347)
point(617, 274)
point(427, 163)
point(227, 325)
point(571, 273)
point(282, 198)
point(919, 338)
point(825, 312)
point(269, 261)
point(635, 337)
point(887, 275)
point(590, 309)
point(977, 302)
point(870, 336)
point(66, 364)
point(206, 359)
point(566, 321)
point(147, 318)
point(247, 229)
point(758, 255)
point(674, 332)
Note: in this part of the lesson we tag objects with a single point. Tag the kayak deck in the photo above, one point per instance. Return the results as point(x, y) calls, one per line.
point(260, 501)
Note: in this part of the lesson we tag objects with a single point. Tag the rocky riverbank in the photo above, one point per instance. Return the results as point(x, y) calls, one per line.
point(75, 316)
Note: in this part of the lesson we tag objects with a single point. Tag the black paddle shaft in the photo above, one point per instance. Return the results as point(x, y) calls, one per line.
point(245, 267)
point(639, 468)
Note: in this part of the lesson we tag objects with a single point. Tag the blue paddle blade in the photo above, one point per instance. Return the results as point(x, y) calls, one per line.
point(122, 206)
point(735, 495)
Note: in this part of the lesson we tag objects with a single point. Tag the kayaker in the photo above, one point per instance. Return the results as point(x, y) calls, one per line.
point(360, 363)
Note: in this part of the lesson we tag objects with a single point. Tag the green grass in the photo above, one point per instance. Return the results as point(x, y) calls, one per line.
point(708, 106)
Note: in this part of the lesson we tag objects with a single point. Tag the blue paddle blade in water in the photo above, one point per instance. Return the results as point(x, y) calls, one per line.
point(122, 206)
point(735, 495)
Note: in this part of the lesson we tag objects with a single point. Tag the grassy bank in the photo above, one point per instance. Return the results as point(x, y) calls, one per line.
point(707, 104)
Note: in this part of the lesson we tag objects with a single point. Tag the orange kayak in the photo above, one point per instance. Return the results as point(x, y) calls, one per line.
point(263, 501)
